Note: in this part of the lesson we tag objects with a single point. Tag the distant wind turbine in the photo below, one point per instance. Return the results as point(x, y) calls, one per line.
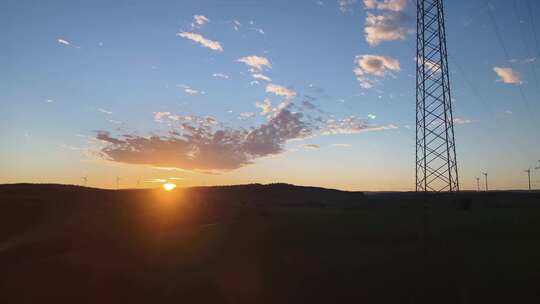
point(85, 180)
point(528, 171)
point(118, 182)
point(486, 177)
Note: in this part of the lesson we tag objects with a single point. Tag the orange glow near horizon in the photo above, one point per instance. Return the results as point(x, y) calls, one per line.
point(169, 186)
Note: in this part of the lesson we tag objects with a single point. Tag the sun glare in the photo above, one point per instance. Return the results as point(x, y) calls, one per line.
point(169, 186)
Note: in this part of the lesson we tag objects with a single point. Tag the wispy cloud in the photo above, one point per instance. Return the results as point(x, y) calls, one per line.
point(207, 43)
point(341, 145)
point(199, 21)
point(265, 106)
point(312, 146)
point(220, 75)
point(392, 5)
point(256, 62)
point(261, 77)
point(346, 5)
point(369, 67)
point(236, 25)
point(104, 111)
point(507, 75)
point(462, 121)
point(280, 91)
point(66, 42)
point(189, 90)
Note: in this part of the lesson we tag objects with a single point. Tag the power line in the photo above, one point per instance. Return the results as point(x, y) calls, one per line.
point(495, 26)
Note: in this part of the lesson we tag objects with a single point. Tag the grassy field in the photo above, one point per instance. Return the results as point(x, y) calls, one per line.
point(73, 245)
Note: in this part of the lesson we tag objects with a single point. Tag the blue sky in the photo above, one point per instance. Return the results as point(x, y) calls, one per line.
point(335, 91)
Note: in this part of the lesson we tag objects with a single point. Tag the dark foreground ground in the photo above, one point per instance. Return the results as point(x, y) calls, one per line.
point(266, 244)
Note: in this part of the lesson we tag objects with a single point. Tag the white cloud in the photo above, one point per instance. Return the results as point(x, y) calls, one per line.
point(159, 116)
point(462, 121)
point(247, 115)
point(220, 75)
point(49, 100)
point(189, 90)
point(311, 146)
point(236, 25)
point(352, 125)
point(199, 21)
point(341, 145)
point(369, 66)
point(66, 42)
point(392, 5)
point(280, 91)
point(265, 106)
point(388, 27)
point(433, 66)
point(104, 111)
point(346, 5)
point(256, 62)
point(261, 77)
point(207, 43)
point(507, 75)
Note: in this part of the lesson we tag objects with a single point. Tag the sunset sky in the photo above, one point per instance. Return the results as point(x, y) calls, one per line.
point(308, 92)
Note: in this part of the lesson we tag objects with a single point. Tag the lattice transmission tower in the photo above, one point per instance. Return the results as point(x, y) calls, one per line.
point(436, 163)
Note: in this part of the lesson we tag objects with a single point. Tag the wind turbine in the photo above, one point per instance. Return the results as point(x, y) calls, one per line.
point(85, 180)
point(478, 183)
point(118, 182)
point(528, 171)
point(486, 177)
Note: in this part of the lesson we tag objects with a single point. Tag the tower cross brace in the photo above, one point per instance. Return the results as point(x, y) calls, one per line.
point(436, 162)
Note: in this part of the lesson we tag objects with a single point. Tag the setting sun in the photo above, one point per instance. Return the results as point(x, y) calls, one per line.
point(169, 186)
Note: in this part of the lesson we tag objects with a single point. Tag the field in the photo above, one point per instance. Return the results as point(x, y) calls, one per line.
point(266, 244)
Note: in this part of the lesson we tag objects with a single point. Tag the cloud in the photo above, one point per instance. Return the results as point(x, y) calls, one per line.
point(256, 62)
point(389, 27)
point(188, 90)
point(507, 75)
point(246, 115)
point(205, 145)
point(220, 75)
point(207, 43)
point(345, 5)
point(431, 65)
point(158, 116)
point(49, 100)
point(104, 111)
point(200, 147)
point(462, 121)
point(265, 106)
point(261, 77)
point(352, 125)
point(369, 67)
point(392, 5)
point(258, 30)
point(312, 146)
point(341, 145)
point(280, 91)
point(65, 42)
point(236, 25)
point(199, 21)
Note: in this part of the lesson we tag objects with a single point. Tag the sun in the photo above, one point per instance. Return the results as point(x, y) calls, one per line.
point(169, 186)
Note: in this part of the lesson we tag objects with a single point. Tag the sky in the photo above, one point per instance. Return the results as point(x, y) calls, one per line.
point(214, 92)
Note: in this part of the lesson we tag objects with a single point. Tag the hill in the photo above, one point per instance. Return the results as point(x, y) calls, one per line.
point(274, 243)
